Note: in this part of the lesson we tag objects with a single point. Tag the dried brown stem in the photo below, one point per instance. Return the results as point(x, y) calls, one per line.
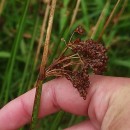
point(116, 19)
point(71, 63)
point(57, 72)
point(41, 75)
point(2, 6)
point(42, 32)
point(59, 60)
point(47, 40)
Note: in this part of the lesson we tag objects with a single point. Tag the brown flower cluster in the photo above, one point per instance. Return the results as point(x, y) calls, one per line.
point(93, 54)
point(87, 55)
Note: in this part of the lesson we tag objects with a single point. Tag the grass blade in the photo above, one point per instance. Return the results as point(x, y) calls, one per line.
point(21, 87)
point(57, 120)
point(85, 12)
point(11, 63)
point(2, 4)
point(101, 21)
point(75, 12)
point(110, 18)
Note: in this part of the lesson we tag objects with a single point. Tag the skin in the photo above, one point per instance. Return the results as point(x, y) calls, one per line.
point(107, 104)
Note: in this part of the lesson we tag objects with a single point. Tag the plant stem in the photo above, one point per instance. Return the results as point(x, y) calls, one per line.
point(36, 104)
point(99, 25)
point(75, 12)
point(42, 33)
point(109, 19)
point(64, 30)
point(39, 44)
point(41, 75)
point(2, 3)
point(57, 120)
point(117, 18)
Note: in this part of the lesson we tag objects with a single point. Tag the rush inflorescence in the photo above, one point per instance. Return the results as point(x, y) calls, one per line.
point(87, 56)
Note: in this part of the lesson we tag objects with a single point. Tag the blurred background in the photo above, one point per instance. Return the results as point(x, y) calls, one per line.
point(22, 33)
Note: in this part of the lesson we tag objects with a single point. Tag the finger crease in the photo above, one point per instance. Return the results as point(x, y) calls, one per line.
point(26, 114)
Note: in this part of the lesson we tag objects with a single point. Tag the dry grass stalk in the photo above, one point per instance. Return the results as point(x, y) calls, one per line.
point(75, 12)
point(42, 32)
point(41, 75)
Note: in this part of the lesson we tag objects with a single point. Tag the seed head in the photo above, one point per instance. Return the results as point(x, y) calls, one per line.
point(90, 54)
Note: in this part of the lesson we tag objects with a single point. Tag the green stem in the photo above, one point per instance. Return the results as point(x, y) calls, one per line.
point(36, 104)
point(56, 122)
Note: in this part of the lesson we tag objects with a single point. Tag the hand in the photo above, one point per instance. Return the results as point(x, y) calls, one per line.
point(107, 104)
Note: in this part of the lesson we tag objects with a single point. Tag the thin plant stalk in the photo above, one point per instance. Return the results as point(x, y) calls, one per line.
point(2, 3)
point(29, 56)
point(116, 20)
point(41, 75)
point(101, 19)
point(109, 19)
point(64, 31)
point(85, 13)
point(72, 119)
point(121, 11)
point(75, 12)
point(57, 120)
point(39, 44)
point(42, 33)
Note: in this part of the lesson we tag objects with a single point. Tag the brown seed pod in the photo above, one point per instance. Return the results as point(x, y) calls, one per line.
point(80, 30)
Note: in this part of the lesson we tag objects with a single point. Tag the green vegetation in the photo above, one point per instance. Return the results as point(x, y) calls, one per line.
point(21, 43)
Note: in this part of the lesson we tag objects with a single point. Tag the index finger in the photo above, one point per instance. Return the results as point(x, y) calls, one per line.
point(56, 94)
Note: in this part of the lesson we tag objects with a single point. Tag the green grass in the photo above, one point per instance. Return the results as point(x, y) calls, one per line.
point(20, 26)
